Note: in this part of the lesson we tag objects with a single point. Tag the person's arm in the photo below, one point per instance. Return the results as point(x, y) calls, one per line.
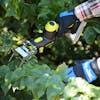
point(86, 69)
point(88, 9)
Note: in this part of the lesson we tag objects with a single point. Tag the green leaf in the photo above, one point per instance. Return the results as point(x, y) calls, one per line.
point(61, 71)
point(5, 88)
point(13, 8)
point(54, 91)
point(44, 2)
point(9, 78)
point(3, 70)
point(14, 76)
point(43, 12)
point(15, 86)
point(98, 40)
point(79, 88)
point(22, 84)
point(28, 11)
point(89, 35)
point(52, 80)
point(2, 22)
point(6, 42)
point(97, 28)
point(41, 84)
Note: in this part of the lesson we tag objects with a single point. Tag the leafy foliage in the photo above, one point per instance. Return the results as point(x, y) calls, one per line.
point(80, 89)
point(40, 78)
point(92, 31)
point(35, 78)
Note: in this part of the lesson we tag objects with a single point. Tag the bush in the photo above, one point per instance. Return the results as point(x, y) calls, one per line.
point(23, 19)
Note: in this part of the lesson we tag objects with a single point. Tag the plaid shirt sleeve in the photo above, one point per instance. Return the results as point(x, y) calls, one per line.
point(88, 9)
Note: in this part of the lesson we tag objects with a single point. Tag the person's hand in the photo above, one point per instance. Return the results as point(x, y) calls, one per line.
point(66, 20)
point(87, 69)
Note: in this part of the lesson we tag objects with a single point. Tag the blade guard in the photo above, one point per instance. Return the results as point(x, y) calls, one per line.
point(75, 37)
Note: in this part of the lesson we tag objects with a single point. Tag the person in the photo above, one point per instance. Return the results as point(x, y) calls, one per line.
point(87, 69)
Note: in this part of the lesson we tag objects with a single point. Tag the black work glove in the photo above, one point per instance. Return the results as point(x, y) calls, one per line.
point(66, 21)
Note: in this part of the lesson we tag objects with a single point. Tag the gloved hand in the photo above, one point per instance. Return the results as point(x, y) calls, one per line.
point(87, 69)
point(66, 20)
